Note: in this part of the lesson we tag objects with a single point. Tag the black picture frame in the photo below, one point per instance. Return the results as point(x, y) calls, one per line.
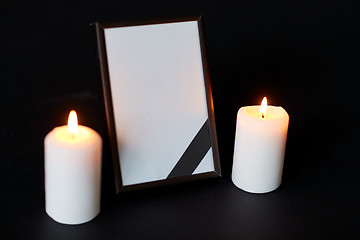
point(118, 44)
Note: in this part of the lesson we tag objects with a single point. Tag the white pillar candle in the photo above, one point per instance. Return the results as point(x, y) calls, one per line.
point(72, 173)
point(259, 148)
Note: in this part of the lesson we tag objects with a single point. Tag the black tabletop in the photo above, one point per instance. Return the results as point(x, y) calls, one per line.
point(302, 55)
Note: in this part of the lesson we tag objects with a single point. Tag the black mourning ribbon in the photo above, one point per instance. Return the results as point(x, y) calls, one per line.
point(194, 153)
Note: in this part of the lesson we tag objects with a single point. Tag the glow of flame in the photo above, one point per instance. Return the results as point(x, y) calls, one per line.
point(263, 107)
point(73, 122)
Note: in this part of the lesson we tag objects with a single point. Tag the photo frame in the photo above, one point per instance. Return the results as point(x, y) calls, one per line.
point(158, 101)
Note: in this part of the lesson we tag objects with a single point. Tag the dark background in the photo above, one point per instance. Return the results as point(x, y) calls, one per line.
point(302, 55)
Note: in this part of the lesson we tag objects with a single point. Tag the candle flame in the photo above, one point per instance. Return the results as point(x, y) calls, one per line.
point(263, 107)
point(73, 122)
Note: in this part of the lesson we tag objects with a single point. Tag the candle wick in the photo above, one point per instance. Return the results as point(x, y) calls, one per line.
point(72, 136)
point(262, 115)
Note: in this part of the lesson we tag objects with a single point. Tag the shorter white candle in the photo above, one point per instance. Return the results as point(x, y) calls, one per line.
point(259, 151)
point(72, 173)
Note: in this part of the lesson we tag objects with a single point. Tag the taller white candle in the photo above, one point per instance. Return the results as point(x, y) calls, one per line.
point(259, 151)
point(72, 172)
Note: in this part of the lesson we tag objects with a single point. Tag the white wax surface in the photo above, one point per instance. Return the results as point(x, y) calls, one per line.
point(72, 174)
point(259, 148)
